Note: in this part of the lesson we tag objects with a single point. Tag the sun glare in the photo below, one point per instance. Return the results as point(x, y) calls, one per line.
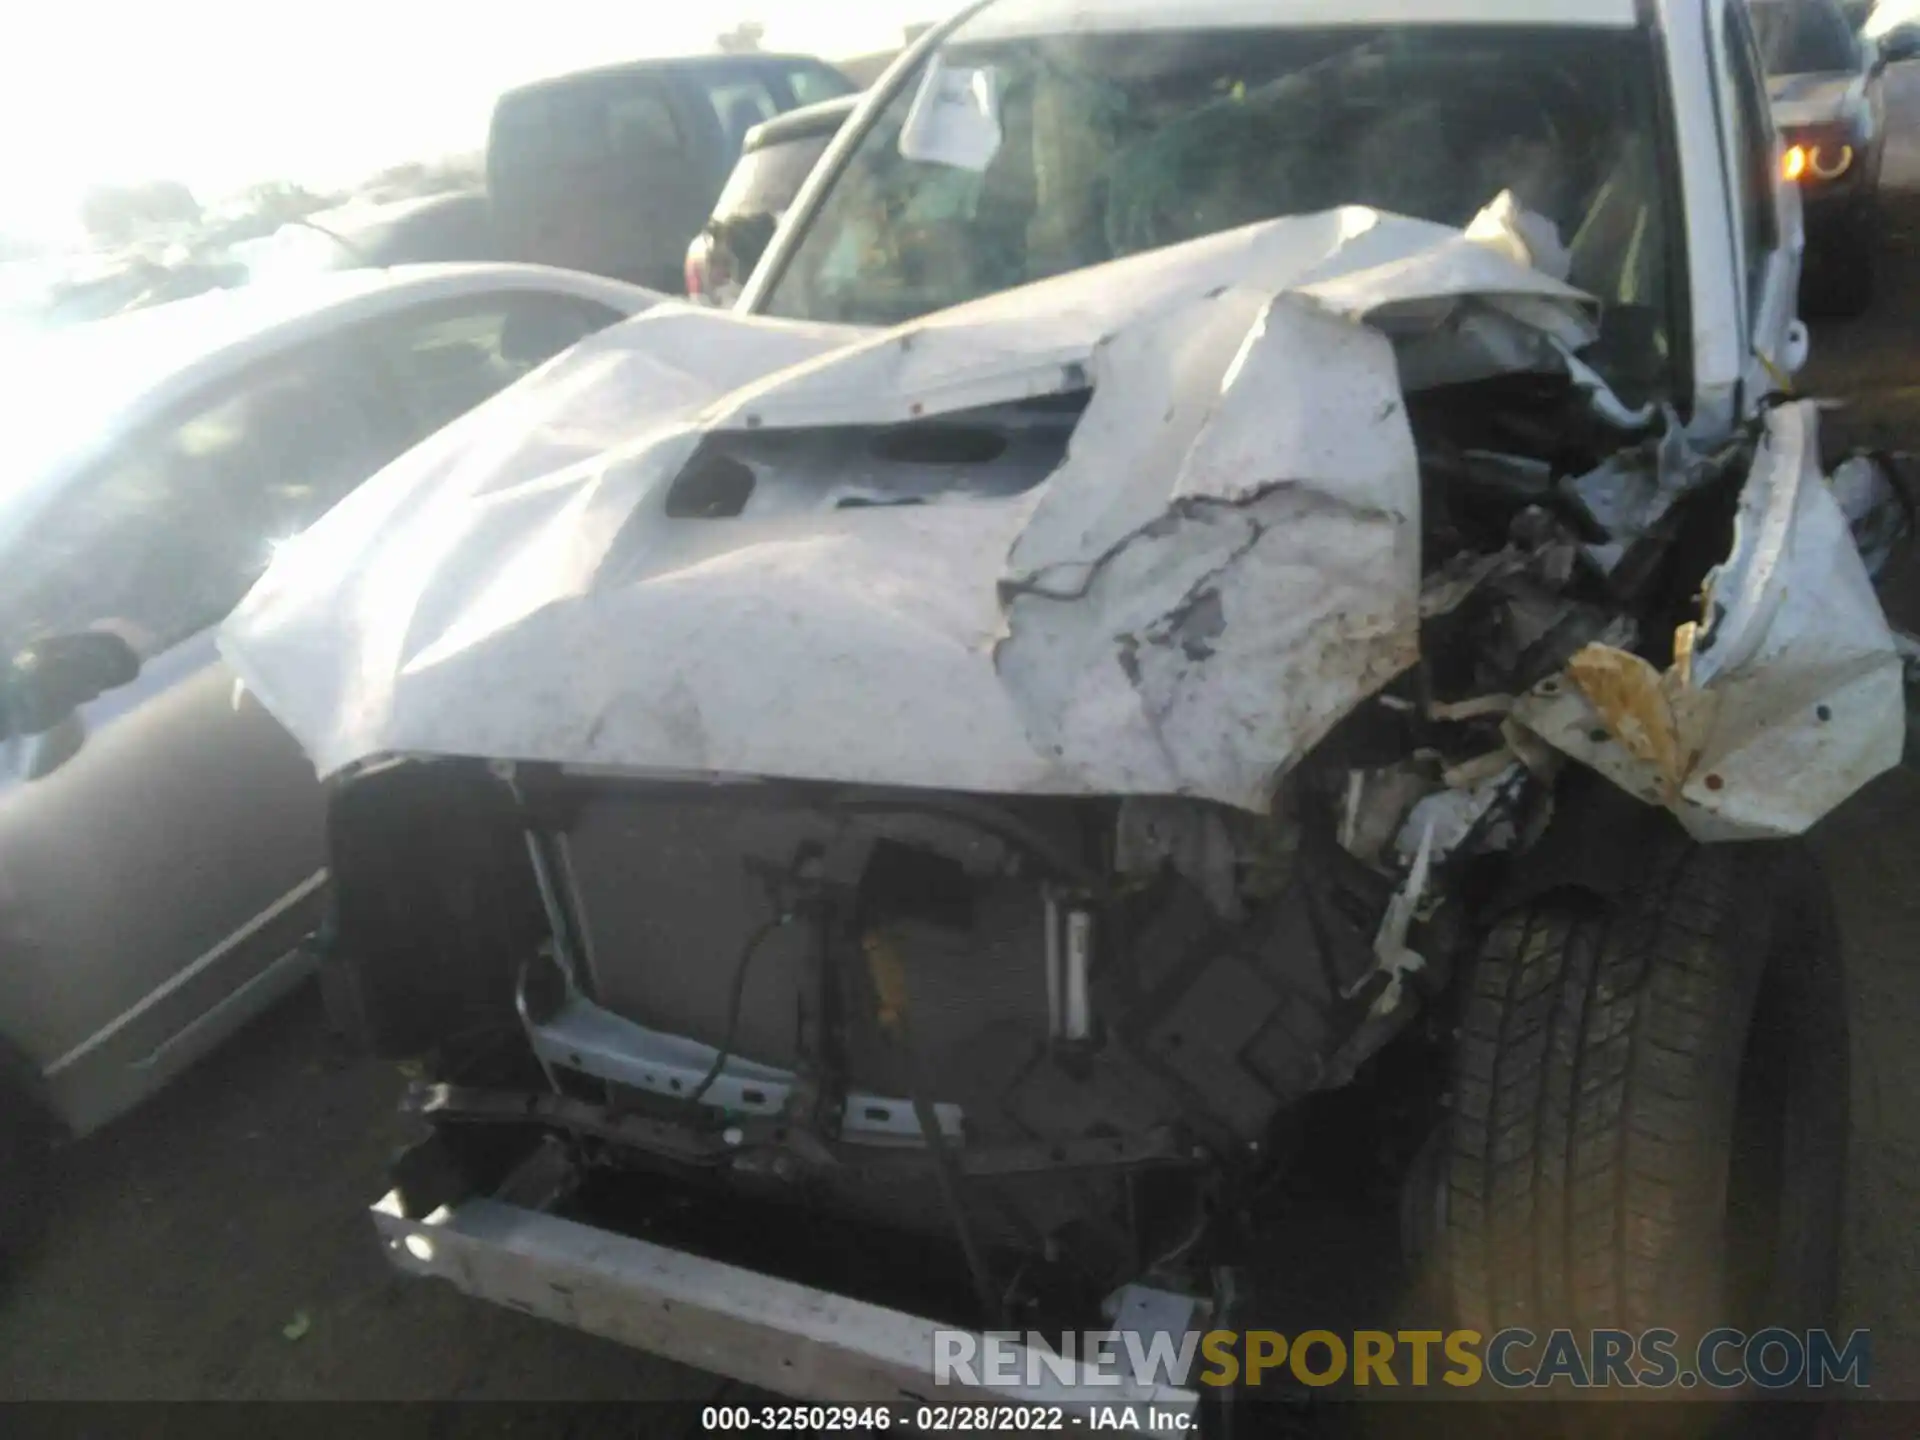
point(219, 94)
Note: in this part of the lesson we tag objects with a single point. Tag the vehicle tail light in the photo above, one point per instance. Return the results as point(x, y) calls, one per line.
point(708, 268)
point(1820, 160)
point(1830, 162)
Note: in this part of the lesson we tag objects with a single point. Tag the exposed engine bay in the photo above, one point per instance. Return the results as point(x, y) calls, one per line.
point(1101, 1008)
point(1039, 950)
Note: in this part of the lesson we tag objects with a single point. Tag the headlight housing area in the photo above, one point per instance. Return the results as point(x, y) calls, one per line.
point(1817, 158)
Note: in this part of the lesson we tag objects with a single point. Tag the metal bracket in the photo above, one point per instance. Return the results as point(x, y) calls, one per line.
point(582, 1036)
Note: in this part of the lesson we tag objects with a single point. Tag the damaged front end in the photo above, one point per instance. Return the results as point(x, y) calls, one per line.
point(1010, 1023)
point(965, 786)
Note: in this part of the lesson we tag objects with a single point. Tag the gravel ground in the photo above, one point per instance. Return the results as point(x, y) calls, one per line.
point(215, 1244)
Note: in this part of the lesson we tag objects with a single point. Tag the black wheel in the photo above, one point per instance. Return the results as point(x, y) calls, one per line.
point(26, 1146)
point(1649, 1106)
point(1839, 279)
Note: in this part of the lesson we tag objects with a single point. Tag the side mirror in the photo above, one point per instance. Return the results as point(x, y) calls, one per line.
point(51, 678)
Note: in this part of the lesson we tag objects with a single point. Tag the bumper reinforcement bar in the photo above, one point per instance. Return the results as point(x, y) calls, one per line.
point(758, 1329)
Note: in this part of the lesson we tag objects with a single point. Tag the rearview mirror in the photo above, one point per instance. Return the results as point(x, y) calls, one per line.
point(51, 678)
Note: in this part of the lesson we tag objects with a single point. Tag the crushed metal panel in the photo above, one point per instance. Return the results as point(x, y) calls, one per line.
point(1254, 570)
point(1782, 703)
point(1240, 501)
point(1635, 489)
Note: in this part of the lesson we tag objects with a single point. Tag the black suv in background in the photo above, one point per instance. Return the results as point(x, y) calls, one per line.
point(615, 170)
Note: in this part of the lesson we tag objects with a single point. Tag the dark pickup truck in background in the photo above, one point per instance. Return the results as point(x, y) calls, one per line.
point(615, 170)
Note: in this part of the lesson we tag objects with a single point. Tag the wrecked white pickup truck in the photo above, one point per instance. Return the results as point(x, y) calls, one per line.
point(946, 761)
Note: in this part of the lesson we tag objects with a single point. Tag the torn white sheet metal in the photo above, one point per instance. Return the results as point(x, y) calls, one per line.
point(1790, 698)
point(1447, 819)
point(1390, 950)
point(1223, 565)
point(1635, 489)
point(1193, 637)
point(1528, 239)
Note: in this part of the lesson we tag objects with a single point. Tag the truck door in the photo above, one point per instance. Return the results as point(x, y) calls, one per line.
point(1766, 218)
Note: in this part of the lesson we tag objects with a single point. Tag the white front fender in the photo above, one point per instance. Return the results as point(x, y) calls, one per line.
point(1782, 701)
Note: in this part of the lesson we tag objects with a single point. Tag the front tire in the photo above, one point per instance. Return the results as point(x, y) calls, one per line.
point(26, 1151)
point(1649, 1106)
point(1840, 278)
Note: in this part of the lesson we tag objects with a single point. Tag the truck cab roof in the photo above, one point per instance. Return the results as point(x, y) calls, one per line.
point(1011, 18)
point(695, 64)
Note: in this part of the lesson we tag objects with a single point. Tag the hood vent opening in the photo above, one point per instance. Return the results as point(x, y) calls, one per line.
point(714, 487)
point(986, 452)
point(936, 444)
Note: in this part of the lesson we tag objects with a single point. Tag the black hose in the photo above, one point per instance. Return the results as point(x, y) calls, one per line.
point(759, 937)
point(946, 1170)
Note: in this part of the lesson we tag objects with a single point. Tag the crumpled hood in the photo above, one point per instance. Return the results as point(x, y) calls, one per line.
point(716, 545)
point(1803, 100)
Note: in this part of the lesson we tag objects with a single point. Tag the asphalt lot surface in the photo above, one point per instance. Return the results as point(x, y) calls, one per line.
point(215, 1244)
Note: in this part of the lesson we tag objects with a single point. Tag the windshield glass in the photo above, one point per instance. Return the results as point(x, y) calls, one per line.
point(1118, 143)
point(1803, 37)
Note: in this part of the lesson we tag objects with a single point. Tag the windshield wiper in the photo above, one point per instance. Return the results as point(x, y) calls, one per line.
point(340, 240)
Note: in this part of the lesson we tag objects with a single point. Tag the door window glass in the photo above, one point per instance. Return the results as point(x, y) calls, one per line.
point(739, 105)
point(1753, 161)
point(813, 83)
point(1801, 37)
point(446, 359)
point(166, 534)
point(583, 126)
point(640, 126)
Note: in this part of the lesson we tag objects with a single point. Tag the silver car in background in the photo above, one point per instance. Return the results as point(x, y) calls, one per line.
point(161, 852)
